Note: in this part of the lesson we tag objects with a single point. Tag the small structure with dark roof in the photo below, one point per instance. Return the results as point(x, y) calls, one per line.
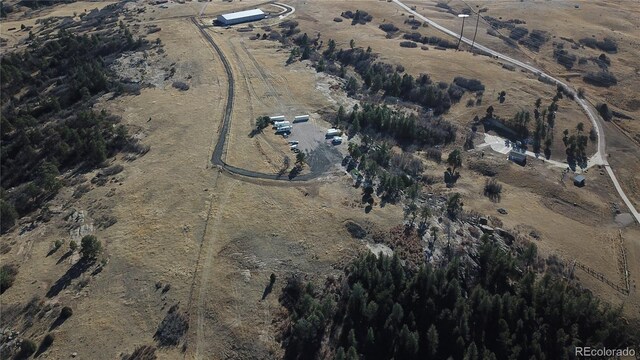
point(579, 180)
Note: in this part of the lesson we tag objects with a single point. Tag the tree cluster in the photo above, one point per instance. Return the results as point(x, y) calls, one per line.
point(384, 122)
point(498, 309)
point(46, 122)
point(430, 40)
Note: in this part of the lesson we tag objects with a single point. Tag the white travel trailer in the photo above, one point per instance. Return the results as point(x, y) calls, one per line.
point(300, 118)
point(333, 132)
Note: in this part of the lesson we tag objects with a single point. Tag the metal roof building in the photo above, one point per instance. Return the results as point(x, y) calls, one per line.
point(579, 180)
point(240, 17)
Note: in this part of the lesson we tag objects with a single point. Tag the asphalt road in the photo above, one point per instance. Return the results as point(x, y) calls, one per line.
point(600, 157)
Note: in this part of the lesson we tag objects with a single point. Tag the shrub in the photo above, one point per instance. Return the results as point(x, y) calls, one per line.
point(8, 215)
point(27, 348)
point(180, 85)
point(388, 28)
point(434, 154)
point(66, 313)
point(607, 44)
point(408, 44)
point(90, 247)
point(518, 33)
point(455, 92)
point(492, 190)
point(337, 19)
point(172, 328)
point(602, 78)
point(57, 244)
point(7, 277)
point(604, 111)
point(73, 245)
point(469, 84)
point(112, 170)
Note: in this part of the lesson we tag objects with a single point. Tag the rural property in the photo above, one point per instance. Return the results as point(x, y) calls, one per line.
point(327, 179)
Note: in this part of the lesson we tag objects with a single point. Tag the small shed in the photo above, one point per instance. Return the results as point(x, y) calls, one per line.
point(579, 180)
point(518, 157)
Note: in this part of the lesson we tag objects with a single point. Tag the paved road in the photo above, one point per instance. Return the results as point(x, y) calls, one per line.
point(218, 152)
point(600, 157)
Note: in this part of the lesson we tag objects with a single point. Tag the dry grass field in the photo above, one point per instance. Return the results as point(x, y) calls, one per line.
point(216, 239)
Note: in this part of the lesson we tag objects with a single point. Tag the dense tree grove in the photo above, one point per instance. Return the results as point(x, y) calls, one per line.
point(46, 122)
point(382, 121)
point(498, 309)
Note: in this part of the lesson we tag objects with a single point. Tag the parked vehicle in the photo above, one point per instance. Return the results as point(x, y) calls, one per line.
point(300, 118)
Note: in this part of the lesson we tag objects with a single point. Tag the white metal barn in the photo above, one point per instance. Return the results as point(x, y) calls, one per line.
point(241, 17)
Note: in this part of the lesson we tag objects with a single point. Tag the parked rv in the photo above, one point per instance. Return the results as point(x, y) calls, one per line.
point(273, 119)
point(333, 132)
point(284, 129)
point(279, 124)
point(300, 118)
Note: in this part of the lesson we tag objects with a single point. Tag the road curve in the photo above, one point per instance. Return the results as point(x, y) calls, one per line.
point(218, 151)
point(600, 157)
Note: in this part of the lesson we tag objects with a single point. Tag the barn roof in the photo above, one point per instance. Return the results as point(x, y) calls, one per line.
point(242, 14)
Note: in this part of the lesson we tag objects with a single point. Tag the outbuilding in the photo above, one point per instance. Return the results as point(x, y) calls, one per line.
point(518, 157)
point(579, 180)
point(240, 17)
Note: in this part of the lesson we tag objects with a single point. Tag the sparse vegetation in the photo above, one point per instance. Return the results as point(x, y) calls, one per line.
point(50, 127)
point(359, 17)
point(144, 352)
point(607, 44)
point(7, 276)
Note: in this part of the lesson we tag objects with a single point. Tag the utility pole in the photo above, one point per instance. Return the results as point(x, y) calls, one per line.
point(463, 16)
point(476, 32)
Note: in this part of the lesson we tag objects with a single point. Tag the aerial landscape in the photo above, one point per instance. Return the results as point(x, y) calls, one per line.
point(328, 179)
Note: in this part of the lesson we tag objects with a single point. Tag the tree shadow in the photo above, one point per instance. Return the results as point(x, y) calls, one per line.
point(294, 172)
point(73, 273)
point(267, 290)
point(52, 251)
point(58, 321)
point(254, 132)
point(64, 257)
